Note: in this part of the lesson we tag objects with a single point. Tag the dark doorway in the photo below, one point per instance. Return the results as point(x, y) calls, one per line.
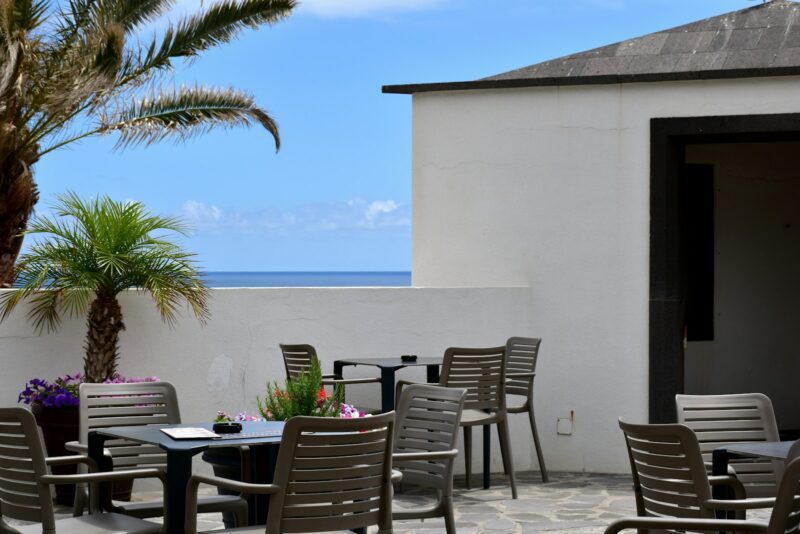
point(681, 236)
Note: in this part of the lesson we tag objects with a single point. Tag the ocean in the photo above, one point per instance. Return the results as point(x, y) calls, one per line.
point(307, 279)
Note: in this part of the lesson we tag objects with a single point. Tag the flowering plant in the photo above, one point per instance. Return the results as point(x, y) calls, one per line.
point(223, 417)
point(63, 391)
point(304, 394)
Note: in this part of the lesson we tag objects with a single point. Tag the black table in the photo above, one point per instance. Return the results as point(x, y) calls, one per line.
point(389, 367)
point(179, 460)
point(773, 450)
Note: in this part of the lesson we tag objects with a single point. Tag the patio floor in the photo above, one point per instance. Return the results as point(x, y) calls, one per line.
point(570, 503)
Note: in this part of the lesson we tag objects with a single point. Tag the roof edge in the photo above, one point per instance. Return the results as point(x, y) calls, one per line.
point(721, 74)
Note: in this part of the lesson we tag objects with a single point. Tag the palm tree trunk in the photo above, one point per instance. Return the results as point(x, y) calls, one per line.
point(18, 195)
point(104, 324)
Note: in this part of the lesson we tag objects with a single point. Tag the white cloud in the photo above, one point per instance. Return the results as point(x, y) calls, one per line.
point(364, 8)
point(343, 218)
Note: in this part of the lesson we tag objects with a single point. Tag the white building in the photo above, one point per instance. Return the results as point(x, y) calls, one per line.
point(643, 190)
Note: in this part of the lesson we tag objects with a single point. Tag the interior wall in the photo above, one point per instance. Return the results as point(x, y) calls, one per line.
point(757, 261)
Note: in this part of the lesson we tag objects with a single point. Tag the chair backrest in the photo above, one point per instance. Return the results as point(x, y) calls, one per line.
point(786, 512)
point(724, 419)
point(521, 353)
point(335, 475)
point(669, 477)
point(22, 462)
point(427, 421)
point(297, 358)
point(482, 372)
point(144, 403)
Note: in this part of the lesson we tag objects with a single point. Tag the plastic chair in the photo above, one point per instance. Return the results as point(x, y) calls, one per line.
point(144, 403)
point(331, 474)
point(522, 354)
point(670, 478)
point(25, 481)
point(720, 420)
point(785, 516)
point(424, 446)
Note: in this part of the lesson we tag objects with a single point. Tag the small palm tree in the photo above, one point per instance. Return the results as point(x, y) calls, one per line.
point(75, 68)
point(88, 255)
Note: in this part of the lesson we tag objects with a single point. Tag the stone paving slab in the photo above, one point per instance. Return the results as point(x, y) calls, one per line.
point(573, 503)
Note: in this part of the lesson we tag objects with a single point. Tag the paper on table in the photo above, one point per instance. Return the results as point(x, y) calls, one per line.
point(189, 433)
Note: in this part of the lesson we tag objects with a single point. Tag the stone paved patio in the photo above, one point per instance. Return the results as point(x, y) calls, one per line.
point(571, 503)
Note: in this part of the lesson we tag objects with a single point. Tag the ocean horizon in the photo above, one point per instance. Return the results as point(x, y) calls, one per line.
point(306, 278)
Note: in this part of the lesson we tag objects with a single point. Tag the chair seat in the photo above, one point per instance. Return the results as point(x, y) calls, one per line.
point(98, 524)
point(478, 417)
point(211, 503)
point(516, 403)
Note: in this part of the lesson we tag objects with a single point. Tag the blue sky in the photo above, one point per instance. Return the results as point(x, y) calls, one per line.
point(337, 196)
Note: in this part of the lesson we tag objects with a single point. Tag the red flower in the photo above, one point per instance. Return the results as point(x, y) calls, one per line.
point(322, 395)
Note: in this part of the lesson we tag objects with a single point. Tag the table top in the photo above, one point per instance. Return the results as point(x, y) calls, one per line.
point(394, 362)
point(152, 434)
point(775, 450)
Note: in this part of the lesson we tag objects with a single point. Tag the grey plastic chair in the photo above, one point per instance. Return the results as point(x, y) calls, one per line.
point(720, 420)
point(424, 446)
point(145, 403)
point(670, 478)
point(523, 353)
point(25, 481)
point(785, 516)
point(482, 373)
point(331, 474)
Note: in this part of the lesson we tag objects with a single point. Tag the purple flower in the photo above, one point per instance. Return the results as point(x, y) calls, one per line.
point(63, 391)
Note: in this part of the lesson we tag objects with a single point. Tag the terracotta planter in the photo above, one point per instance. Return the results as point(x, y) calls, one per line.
point(60, 425)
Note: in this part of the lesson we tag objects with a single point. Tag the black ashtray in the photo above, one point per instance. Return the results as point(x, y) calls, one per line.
point(409, 357)
point(227, 428)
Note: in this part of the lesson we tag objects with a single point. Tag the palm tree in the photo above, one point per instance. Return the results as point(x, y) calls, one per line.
point(90, 253)
point(75, 68)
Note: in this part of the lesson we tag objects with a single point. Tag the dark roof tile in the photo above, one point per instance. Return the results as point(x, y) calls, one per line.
point(762, 40)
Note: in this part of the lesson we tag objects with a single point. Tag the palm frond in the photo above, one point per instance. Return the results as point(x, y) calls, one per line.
point(219, 24)
point(184, 113)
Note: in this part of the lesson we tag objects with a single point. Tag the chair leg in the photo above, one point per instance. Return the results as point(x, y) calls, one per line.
point(503, 434)
point(468, 454)
point(80, 500)
point(449, 518)
point(538, 445)
point(505, 461)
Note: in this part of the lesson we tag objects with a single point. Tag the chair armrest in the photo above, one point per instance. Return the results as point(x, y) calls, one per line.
point(194, 484)
point(233, 485)
point(346, 381)
point(103, 476)
point(82, 448)
point(739, 504)
point(433, 455)
point(731, 481)
point(397, 476)
point(707, 525)
point(520, 375)
point(73, 459)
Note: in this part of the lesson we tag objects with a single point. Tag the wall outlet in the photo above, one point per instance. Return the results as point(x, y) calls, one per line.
point(564, 424)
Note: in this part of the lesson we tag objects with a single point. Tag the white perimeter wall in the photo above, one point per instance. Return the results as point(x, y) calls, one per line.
point(227, 363)
point(549, 187)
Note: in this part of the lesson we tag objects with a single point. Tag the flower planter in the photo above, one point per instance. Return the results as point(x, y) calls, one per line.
point(60, 425)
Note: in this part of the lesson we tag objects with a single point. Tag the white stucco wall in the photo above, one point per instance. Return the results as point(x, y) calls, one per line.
point(549, 187)
point(227, 363)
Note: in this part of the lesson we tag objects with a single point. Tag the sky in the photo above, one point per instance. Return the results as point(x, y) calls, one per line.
point(337, 196)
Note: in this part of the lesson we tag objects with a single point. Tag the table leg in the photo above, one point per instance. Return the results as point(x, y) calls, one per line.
point(387, 389)
point(719, 467)
point(100, 493)
point(338, 367)
point(487, 456)
point(433, 373)
point(179, 470)
point(263, 472)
